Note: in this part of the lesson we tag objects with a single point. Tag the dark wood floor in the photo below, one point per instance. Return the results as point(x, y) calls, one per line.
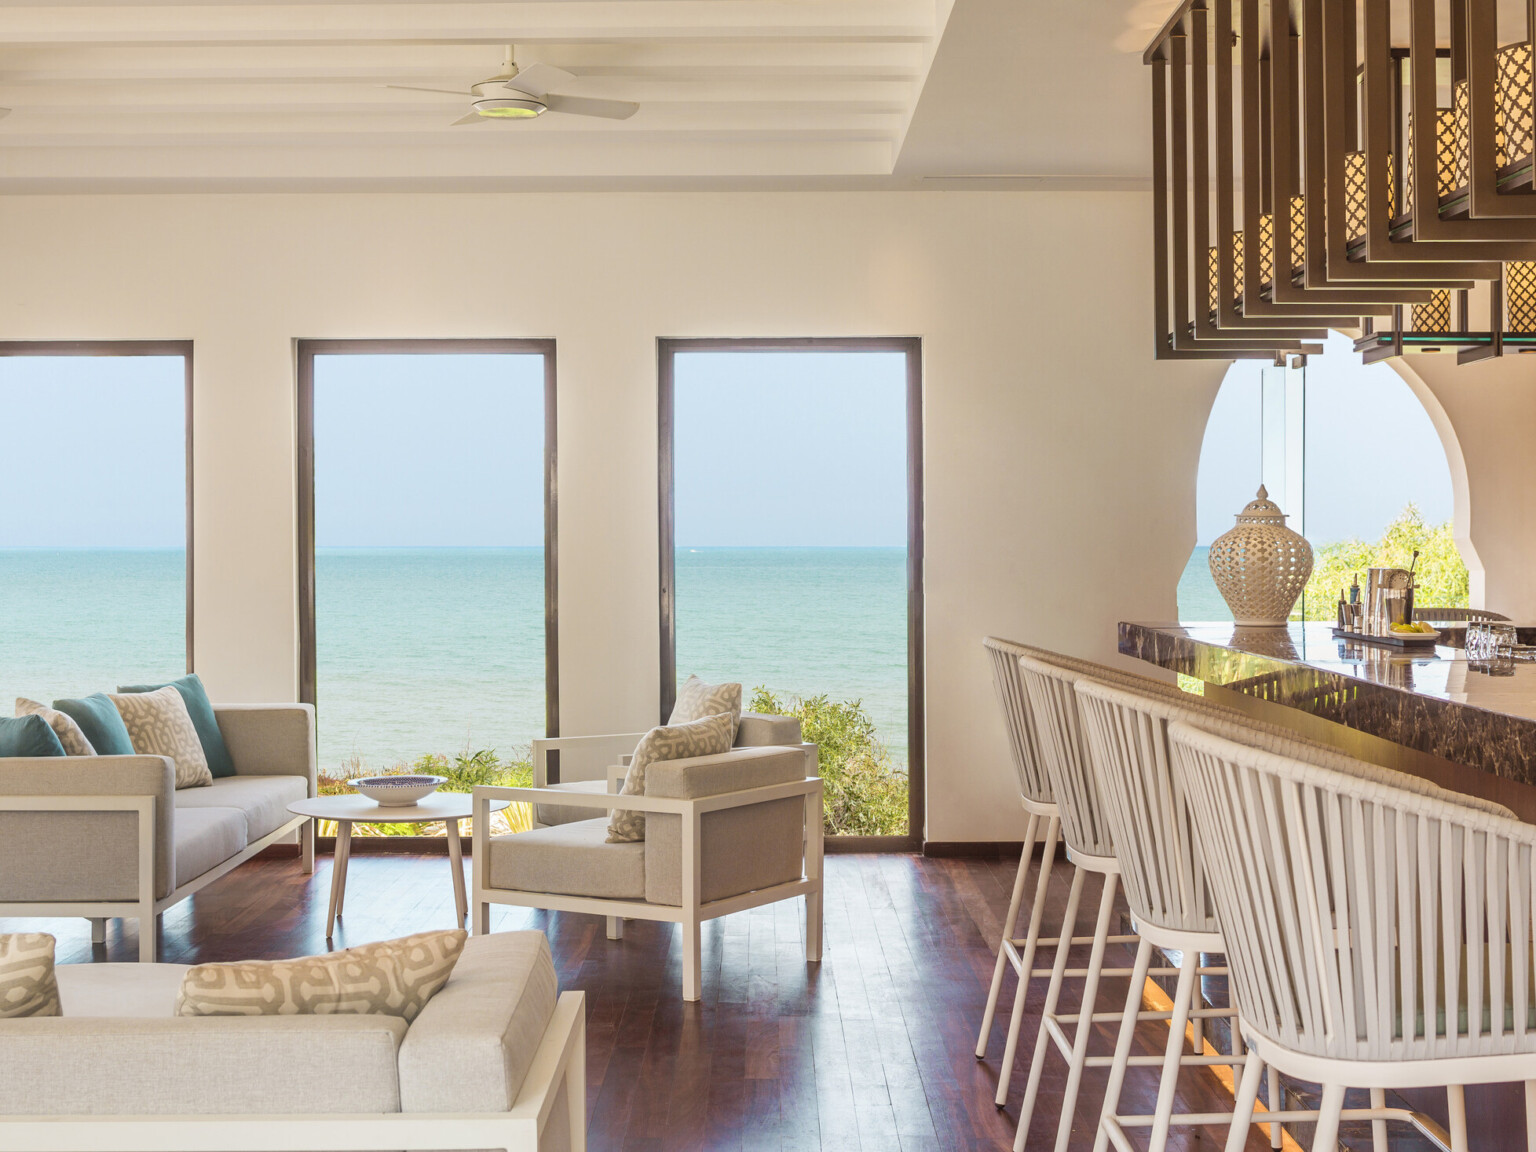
point(872, 1049)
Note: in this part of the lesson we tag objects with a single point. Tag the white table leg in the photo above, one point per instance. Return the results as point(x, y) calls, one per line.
point(456, 863)
point(338, 874)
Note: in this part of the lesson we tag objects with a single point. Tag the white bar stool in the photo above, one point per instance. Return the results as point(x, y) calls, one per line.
point(1378, 936)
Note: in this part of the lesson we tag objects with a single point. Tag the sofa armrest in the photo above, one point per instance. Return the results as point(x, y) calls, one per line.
point(270, 739)
point(83, 855)
point(472, 1045)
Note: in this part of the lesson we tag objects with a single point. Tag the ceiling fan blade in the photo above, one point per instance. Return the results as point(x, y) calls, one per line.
point(440, 91)
point(587, 106)
point(537, 79)
point(472, 118)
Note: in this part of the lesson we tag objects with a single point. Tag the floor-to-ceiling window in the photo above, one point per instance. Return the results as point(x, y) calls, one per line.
point(95, 521)
point(792, 551)
point(427, 532)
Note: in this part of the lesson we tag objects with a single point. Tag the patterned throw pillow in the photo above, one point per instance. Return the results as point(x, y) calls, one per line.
point(64, 726)
point(27, 985)
point(390, 978)
point(159, 725)
point(707, 737)
point(696, 700)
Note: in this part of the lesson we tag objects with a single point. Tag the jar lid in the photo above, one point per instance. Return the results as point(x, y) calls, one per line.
point(1261, 510)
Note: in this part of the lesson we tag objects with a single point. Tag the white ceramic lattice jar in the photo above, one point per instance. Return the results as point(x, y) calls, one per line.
point(1260, 566)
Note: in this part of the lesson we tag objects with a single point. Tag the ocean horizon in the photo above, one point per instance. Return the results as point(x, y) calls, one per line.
point(441, 649)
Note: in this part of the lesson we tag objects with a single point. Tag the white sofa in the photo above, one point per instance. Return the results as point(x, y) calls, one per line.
point(496, 1060)
point(109, 836)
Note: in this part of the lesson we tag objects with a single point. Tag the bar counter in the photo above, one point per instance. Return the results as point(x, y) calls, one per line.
point(1420, 709)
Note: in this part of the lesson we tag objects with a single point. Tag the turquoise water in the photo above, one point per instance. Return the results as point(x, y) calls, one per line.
point(441, 649)
point(1198, 597)
point(800, 620)
point(75, 621)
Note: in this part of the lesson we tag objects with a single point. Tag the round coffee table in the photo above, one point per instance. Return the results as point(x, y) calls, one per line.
point(449, 807)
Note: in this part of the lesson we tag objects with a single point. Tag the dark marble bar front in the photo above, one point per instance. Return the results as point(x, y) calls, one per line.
point(1421, 709)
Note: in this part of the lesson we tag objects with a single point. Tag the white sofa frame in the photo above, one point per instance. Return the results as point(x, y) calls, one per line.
point(146, 909)
point(694, 910)
point(561, 1058)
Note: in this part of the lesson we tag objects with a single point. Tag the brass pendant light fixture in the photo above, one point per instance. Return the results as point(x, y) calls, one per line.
point(1361, 164)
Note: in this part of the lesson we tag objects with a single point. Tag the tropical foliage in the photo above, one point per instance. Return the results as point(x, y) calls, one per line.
point(464, 771)
point(1440, 573)
point(864, 789)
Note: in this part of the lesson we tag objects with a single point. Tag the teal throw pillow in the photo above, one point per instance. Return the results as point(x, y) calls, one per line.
point(28, 736)
point(99, 720)
point(200, 708)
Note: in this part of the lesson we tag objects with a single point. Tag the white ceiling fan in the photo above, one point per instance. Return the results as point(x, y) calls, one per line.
point(522, 93)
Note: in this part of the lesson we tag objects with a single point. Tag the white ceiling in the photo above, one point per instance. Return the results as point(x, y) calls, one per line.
point(235, 95)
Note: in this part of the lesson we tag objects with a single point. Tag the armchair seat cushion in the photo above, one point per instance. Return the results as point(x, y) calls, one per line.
point(569, 859)
point(205, 838)
point(552, 814)
point(263, 799)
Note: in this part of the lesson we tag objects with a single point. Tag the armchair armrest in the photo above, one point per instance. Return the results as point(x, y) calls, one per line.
point(270, 739)
point(75, 853)
point(579, 757)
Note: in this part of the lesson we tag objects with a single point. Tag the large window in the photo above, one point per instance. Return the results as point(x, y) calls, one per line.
point(427, 590)
point(792, 551)
point(94, 527)
point(1350, 455)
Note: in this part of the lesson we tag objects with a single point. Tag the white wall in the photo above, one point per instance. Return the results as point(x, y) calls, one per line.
point(1060, 461)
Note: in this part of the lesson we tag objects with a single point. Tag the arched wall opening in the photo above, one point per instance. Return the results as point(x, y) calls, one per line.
point(1361, 457)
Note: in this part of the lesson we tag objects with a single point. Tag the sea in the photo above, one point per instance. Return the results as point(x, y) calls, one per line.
point(1198, 597)
point(441, 650)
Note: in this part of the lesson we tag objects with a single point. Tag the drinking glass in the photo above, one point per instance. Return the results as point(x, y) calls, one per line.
point(1501, 639)
point(1477, 641)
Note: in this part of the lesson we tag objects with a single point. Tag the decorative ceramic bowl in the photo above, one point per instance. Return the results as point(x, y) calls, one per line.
point(396, 791)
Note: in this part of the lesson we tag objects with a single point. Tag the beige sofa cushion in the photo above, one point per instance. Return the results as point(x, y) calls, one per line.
point(263, 799)
point(74, 1066)
point(758, 729)
point(744, 849)
point(205, 838)
point(471, 1046)
point(572, 859)
point(119, 989)
point(552, 814)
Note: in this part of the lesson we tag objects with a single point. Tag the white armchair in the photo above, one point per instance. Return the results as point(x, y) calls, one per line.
point(592, 764)
point(724, 833)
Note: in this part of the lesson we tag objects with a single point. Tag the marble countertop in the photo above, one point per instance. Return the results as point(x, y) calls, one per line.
point(1422, 697)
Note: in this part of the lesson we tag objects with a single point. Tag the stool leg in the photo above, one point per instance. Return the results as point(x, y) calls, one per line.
point(1084, 1030)
point(1052, 995)
point(1326, 1136)
point(1276, 1104)
point(1009, 923)
point(1378, 1127)
point(338, 874)
point(1242, 1108)
point(1189, 966)
point(1456, 1098)
point(1027, 960)
point(1123, 1043)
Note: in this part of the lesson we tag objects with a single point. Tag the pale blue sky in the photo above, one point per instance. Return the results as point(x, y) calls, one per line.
point(1370, 449)
point(429, 451)
point(779, 449)
point(94, 453)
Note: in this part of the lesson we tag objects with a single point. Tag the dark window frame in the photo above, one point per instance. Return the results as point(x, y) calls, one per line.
point(912, 348)
point(182, 348)
point(306, 351)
